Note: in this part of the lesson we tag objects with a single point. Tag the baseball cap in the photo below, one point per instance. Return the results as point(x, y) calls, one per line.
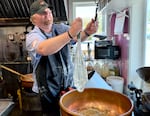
point(38, 7)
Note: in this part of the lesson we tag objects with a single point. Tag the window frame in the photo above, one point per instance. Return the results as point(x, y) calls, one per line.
point(147, 41)
point(75, 3)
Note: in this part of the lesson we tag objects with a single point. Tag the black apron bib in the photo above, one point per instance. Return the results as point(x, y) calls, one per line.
point(53, 74)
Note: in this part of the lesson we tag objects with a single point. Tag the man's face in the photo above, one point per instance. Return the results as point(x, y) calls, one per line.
point(45, 18)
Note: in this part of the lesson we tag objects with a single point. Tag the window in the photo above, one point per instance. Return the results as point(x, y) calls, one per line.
point(87, 10)
point(147, 52)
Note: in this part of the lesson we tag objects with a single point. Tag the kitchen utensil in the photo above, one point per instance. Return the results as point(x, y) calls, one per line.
point(96, 12)
point(26, 80)
point(97, 101)
point(144, 73)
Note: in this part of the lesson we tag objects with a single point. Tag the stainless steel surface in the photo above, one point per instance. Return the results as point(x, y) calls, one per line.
point(144, 73)
point(6, 105)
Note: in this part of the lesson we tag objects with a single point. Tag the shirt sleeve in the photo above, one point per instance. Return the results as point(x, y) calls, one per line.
point(32, 41)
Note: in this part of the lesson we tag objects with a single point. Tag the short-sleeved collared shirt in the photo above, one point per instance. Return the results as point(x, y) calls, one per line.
point(32, 41)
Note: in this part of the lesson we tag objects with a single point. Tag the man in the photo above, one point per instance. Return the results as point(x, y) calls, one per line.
point(52, 40)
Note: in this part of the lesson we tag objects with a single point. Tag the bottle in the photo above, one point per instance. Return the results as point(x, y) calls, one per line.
point(111, 69)
point(97, 67)
point(89, 52)
point(105, 70)
point(90, 66)
point(114, 68)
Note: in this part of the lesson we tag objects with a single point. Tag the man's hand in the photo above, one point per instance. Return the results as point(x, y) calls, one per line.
point(76, 27)
point(91, 27)
point(64, 91)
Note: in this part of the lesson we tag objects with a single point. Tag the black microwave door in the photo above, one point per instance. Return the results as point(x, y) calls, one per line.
point(102, 52)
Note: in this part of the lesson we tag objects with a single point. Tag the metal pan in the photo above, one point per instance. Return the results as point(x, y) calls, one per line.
point(144, 73)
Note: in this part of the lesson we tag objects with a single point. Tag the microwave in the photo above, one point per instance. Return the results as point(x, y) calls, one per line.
point(106, 51)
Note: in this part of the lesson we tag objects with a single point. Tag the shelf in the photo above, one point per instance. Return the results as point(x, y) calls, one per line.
point(14, 21)
point(5, 22)
point(116, 6)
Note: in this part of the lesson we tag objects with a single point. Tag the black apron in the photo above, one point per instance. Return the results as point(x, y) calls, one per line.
point(54, 73)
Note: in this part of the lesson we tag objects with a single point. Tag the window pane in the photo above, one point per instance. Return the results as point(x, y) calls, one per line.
point(87, 11)
point(147, 54)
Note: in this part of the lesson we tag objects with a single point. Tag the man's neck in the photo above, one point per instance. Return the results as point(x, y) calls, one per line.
point(46, 29)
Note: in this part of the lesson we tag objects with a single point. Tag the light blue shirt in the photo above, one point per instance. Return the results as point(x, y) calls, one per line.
point(32, 41)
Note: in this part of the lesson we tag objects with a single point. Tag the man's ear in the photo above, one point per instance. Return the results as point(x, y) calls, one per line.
point(32, 19)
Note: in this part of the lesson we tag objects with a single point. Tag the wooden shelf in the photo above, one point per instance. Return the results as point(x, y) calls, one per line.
point(5, 22)
point(14, 21)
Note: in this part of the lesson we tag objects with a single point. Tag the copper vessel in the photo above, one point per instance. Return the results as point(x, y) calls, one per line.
point(27, 80)
point(95, 102)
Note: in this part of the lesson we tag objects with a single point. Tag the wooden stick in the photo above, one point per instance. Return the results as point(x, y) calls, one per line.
point(11, 70)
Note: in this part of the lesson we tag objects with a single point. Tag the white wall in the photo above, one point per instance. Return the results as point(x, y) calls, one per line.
point(137, 39)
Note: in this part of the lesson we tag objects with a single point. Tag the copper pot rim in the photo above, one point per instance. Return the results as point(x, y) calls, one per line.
point(27, 78)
